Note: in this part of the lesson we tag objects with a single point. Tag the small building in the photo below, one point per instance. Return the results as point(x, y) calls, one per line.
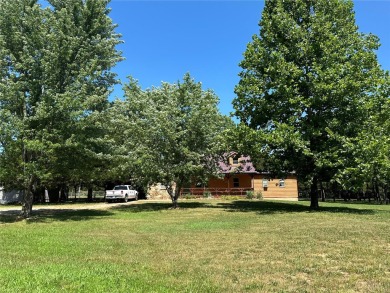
point(240, 176)
point(13, 196)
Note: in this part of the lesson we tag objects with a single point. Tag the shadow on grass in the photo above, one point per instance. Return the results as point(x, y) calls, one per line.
point(50, 215)
point(269, 207)
point(260, 207)
point(159, 206)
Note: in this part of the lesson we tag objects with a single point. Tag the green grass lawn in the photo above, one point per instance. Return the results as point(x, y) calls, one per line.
point(205, 246)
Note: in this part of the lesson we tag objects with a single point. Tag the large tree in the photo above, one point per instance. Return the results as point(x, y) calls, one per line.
point(306, 77)
point(55, 66)
point(168, 135)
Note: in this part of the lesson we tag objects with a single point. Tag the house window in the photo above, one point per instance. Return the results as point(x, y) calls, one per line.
point(236, 182)
point(281, 183)
point(235, 160)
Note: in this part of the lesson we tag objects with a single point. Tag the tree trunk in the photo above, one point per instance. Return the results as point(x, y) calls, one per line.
point(175, 197)
point(90, 194)
point(27, 203)
point(174, 202)
point(64, 193)
point(174, 194)
point(314, 194)
point(28, 195)
point(322, 192)
point(54, 195)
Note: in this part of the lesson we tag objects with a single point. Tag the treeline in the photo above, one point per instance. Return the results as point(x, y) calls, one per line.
point(312, 98)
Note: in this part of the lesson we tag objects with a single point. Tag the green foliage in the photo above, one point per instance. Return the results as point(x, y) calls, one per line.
point(55, 79)
point(250, 194)
point(231, 197)
point(259, 195)
point(188, 196)
point(207, 194)
point(170, 134)
point(367, 161)
point(306, 83)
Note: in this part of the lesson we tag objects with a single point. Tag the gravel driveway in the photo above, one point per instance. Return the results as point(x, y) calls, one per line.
point(16, 209)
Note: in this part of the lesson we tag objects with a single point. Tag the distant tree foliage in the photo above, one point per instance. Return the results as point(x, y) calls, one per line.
point(307, 82)
point(55, 66)
point(169, 135)
point(366, 159)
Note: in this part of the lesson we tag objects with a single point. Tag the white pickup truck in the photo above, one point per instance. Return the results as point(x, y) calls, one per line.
point(121, 192)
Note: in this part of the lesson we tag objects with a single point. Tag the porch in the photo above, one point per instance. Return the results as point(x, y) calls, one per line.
point(215, 192)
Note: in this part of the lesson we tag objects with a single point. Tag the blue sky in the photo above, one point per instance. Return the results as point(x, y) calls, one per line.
point(166, 39)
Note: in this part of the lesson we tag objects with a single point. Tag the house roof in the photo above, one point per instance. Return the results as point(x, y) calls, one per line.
point(244, 165)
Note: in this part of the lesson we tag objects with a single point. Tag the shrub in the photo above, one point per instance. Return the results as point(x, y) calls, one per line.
point(188, 196)
point(250, 194)
point(207, 194)
point(231, 197)
point(259, 195)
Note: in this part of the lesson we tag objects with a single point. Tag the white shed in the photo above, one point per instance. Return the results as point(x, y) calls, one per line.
point(11, 196)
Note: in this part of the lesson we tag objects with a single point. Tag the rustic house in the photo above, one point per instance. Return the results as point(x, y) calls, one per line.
point(238, 176)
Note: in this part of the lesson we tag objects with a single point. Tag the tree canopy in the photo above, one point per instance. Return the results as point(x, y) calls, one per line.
point(170, 134)
point(55, 66)
point(306, 81)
